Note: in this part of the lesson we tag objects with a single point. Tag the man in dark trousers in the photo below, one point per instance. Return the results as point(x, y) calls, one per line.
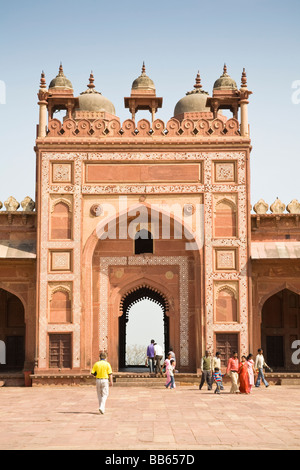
point(206, 369)
point(150, 356)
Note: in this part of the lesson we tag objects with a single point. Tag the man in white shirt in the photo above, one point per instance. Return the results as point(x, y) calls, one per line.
point(259, 366)
point(158, 354)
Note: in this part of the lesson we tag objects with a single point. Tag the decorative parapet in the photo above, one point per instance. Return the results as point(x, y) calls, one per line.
point(101, 128)
point(28, 204)
point(277, 208)
point(289, 221)
point(261, 207)
point(293, 207)
point(12, 206)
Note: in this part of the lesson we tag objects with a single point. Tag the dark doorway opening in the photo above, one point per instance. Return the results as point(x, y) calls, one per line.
point(280, 328)
point(143, 242)
point(128, 301)
point(12, 332)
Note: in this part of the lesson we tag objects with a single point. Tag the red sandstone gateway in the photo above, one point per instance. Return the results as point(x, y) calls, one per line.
point(228, 282)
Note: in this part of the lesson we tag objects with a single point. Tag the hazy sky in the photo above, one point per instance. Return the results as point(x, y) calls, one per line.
point(175, 39)
point(145, 322)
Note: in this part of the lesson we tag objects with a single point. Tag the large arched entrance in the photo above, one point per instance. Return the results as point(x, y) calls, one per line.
point(280, 328)
point(12, 332)
point(140, 296)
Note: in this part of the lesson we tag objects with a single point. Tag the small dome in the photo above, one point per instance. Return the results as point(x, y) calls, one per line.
point(143, 82)
point(92, 100)
point(225, 82)
point(61, 81)
point(194, 101)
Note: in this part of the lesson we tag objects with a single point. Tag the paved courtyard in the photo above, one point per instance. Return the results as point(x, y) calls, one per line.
point(149, 418)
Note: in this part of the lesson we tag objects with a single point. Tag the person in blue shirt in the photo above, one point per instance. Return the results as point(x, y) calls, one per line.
point(217, 378)
point(150, 356)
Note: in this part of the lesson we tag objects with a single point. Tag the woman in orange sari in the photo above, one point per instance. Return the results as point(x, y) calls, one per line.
point(244, 376)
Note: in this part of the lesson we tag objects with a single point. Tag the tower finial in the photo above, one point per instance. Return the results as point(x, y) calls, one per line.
point(61, 70)
point(225, 69)
point(198, 81)
point(91, 81)
point(143, 68)
point(43, 80)
point(244, 79)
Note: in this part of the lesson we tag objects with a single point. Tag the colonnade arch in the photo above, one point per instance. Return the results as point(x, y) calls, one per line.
point(12, 331)
point(170, 264)
point(134, 296)
point(280, 326)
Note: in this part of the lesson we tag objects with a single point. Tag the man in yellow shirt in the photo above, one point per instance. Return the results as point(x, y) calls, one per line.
point(103, 373)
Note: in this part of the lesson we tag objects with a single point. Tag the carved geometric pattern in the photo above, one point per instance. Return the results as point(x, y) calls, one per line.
point(225, 259)
point(99, 128)
point(225, 172)
point(62, 172)
point(181, 261)
point(60, 260)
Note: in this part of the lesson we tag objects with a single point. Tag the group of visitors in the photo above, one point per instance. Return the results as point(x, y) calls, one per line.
point(154, 357)
point(241, 372)
point(154, 362)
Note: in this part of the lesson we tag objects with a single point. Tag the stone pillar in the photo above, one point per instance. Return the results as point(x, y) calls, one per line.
point(42, 119)
point(42, 96)
point(244, 118)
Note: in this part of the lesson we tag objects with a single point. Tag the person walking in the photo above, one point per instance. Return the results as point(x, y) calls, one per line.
point(206, 369)
point(244, 376)
point(259, 367)
point(217, 378)
point(150, 356)
point(172, 353)
point(158, 354)
point(103, 373)
point(251, 371)
point(170, 373)
point(233, 371)
point(216, 363)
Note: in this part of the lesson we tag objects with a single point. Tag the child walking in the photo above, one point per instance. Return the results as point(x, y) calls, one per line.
point(170, 368)
point(217, 378)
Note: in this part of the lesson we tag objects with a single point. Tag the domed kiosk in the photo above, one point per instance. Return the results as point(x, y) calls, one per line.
point(194, 101)
point(143, 96)
point(92, 100)
point(60, 82)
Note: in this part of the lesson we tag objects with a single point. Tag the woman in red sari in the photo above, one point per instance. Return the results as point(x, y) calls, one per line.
point(244, 376)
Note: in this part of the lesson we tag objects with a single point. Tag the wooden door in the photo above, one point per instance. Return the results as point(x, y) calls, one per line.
point(226, 344)
point(60, 351)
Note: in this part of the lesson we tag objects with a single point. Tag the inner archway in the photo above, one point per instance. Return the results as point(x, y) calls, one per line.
point(280, 328)
point(12, 331)
point(144, 317)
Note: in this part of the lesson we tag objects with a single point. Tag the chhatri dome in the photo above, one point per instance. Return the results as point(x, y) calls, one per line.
point(194, 101)
point(225, 82)
point(143, 82)
point(93, 101)
point(61, 81)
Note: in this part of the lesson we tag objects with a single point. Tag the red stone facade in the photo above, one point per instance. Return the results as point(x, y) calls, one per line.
point(215, 269)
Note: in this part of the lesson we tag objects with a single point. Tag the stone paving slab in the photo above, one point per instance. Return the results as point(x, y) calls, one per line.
point(149, 419)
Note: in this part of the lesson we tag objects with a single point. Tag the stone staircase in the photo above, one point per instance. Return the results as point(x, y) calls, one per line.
point(126, 379)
